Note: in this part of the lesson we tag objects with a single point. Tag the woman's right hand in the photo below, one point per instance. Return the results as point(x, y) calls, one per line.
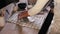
point(23, 14)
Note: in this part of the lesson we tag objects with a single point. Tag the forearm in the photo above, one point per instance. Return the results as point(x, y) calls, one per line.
point(38, 7)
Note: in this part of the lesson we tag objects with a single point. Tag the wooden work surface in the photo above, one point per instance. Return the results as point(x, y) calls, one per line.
point(11, 28)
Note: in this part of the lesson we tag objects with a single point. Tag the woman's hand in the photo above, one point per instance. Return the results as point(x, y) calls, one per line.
point(23, 14)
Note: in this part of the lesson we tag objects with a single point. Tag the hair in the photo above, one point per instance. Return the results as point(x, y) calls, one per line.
point(22, 5)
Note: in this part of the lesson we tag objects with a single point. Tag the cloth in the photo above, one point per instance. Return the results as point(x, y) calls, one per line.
point(9, 8)
point(14, 18)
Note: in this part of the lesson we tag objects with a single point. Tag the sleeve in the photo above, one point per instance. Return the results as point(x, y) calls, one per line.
point(38, 7)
